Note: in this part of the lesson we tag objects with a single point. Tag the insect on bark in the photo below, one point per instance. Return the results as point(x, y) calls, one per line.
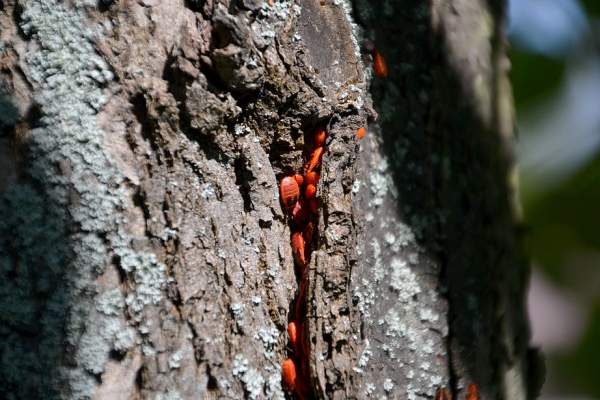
point(361, 132)
point(288, 370)
point(298, 249)
point(379, 64)
point(289, 192)
point(314, 160)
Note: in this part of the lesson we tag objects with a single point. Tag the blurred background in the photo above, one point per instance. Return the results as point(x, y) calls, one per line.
point(555, 55)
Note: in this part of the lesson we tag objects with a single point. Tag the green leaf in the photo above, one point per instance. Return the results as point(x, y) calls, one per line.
point(533, 77)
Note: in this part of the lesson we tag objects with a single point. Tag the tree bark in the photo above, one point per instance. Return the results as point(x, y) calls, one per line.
point(144, 252)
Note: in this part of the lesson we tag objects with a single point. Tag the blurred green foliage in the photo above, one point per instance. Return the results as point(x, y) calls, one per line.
point(564, 222)
point(533, 77)
point(580, 369)
point(592, 7)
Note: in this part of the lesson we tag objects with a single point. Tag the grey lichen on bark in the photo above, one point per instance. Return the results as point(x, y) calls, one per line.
point(144, 252)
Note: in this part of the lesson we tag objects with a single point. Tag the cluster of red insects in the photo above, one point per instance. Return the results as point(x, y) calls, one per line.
point(298, 195)
point(472, 393)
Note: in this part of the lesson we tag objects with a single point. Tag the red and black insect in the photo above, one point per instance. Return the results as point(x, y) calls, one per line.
point(301, 212)
point(310, 184)
point(289, 191)
point(314, 160)
point(298, 247)
point(308, 232)
point(379, 64)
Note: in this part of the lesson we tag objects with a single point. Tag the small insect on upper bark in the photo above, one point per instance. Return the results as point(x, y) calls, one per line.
point(361, 132)
point(379, 64)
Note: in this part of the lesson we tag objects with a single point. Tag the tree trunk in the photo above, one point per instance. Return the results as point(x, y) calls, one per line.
point(144, 251)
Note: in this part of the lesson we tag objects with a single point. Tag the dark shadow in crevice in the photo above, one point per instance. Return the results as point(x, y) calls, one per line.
point(35, 302)
point(104, 5)
point(242, 179)
point(140, 110)
point(17, 13)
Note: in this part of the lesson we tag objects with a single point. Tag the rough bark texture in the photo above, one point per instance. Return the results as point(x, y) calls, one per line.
point(144, 252)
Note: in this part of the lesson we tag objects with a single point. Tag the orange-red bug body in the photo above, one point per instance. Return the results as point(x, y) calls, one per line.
point(298, 249)
point(442, 394)
point(472, 393)
point(288, 371)
point(296, 333)
point(361, 132)
point(289, 191)
point(314, 160)
point(379, 64)
point(293, 332)
point(312, 178)
point(320, 136)
point(301, 212)
point(308, 232)
point(299, 179)
point(310, 191)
